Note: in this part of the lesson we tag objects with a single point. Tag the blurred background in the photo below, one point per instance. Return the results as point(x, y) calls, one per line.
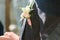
point(2, 17)
point(10, 15)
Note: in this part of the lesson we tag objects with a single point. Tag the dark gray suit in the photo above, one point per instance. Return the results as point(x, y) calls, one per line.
point(32, 34)
point(37, 26)
point(46, 6)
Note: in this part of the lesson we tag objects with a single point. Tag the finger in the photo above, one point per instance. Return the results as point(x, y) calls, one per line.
point(12, 35)
point(4, 38)
point(29, 22)
point(26, 15)
point(6, 34)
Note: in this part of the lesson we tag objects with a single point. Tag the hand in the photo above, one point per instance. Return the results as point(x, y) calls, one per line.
point(4, 38)
point(26, 15)
point(11, 36)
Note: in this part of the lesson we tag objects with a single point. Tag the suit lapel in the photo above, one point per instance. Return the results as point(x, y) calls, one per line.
point(22, 29)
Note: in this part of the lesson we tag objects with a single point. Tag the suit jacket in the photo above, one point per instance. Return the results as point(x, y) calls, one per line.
point(37, 22)
point(50, 7)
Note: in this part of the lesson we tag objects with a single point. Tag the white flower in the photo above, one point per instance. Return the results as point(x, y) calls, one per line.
point(25, 12)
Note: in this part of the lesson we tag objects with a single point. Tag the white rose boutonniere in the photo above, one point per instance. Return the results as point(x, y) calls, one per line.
point(25, 12)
